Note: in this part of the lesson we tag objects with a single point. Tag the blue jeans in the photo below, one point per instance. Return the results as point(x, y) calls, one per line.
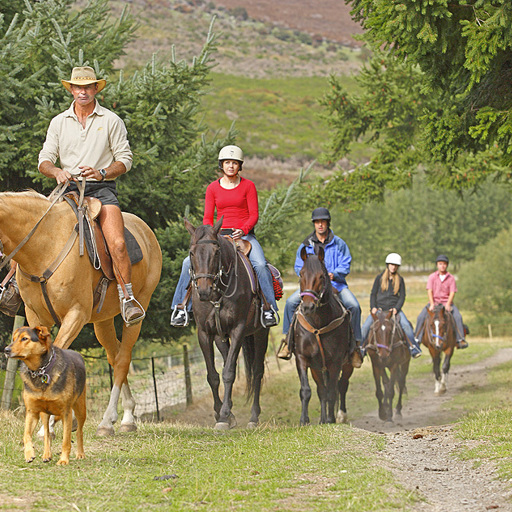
point(259, 263)
point(456, 316)
point(347, 298)
point(404, 323)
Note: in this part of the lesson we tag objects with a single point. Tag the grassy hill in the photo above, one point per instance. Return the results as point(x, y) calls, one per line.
point(267, 79)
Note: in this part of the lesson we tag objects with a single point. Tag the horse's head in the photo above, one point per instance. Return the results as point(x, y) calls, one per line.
point(383, 330)
point(205, 258)
point(314, 280)
point(437, 326)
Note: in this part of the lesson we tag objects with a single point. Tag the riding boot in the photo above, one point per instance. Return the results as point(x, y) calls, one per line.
point(287, 345)
point(132, 311)
point(355, 352)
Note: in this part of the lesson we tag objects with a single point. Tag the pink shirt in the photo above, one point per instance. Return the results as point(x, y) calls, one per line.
point(441, 289)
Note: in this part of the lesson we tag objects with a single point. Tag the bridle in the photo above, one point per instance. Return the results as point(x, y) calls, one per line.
point(317, 297)
point(217, 277)
point(383, 327)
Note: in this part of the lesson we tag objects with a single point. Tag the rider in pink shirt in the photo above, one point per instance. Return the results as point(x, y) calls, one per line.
point(441, 289)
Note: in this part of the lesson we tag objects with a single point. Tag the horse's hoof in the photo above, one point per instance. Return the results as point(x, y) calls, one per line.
point(342, 417)
point(127, 427)
point(252, 424)
point(232, 421)
point(222, 425)
point(398, 416)
point(105, 431)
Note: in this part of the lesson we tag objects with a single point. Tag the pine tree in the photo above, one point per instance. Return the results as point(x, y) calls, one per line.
point(435, 97)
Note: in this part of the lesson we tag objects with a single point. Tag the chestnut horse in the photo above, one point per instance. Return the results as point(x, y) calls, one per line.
point(71, 287)
point(439, 335)
point(321, 331)
point(388, 350)
point(226, 312)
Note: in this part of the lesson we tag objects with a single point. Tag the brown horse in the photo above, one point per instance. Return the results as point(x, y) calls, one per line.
point(227, 313)
point(321, 333)
point(71, 287)
point(439, 335)
point(388, 349)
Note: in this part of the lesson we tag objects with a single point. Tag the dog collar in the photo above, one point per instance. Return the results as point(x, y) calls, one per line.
point(43, 371)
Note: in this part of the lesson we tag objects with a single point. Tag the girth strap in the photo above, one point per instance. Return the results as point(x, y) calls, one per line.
point(317, 332)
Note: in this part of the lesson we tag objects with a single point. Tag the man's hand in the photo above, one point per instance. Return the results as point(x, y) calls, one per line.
point(63, 176)
point(90, 172)
point(448, 307)
point(331, 276)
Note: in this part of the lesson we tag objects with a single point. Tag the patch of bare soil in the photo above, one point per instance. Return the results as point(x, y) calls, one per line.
point(420, 445)
point(329, 18)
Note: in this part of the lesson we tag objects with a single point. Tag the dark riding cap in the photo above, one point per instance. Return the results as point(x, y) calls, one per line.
point(442, 257)
point(320, 214)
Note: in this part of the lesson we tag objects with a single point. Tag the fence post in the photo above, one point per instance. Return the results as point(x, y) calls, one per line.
point(188, 381)
point(10, 371)
point(490, 330)
point(154, 385)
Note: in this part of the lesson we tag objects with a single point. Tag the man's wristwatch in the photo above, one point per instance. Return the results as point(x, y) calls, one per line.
point(103, 174)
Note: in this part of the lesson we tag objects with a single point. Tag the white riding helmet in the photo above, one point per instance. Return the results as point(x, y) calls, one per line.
point(231, 153)
point(394, 258)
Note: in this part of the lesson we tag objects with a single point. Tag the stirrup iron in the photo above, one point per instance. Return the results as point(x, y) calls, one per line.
point(175, 314)
point(123, 311)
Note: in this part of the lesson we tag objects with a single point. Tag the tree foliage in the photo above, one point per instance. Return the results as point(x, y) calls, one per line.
point(436, 96)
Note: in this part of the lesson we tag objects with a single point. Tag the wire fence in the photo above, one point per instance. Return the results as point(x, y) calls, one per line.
point(158, 384)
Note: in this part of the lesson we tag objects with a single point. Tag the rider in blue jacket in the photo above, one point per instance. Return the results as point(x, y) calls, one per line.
point(337, 260)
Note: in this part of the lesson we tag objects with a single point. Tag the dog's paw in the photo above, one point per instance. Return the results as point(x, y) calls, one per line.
point(47, 459)
point(30, 459)
point(63, 462)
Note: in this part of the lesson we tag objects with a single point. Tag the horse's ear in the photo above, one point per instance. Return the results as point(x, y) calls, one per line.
point(321, 253)
point(389, 314)
point(431, 313)
point(374, 316)
point(190, 228)
point(217, 226)
point(304, 253)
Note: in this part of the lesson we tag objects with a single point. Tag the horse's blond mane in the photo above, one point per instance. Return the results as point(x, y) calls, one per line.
point(26, 193)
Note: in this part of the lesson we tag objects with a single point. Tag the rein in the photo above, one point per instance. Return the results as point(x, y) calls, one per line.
point(217, 278)
point(318, 332)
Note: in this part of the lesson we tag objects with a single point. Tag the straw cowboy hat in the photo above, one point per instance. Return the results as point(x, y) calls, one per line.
point(83, 76)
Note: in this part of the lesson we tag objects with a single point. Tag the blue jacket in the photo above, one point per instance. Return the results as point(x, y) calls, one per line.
point(337, 257)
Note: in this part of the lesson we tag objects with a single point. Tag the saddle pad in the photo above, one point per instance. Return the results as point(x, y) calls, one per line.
point(132, 246)
point(250, 271)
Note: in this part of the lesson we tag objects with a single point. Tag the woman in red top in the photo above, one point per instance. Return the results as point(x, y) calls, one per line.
point(236, 199)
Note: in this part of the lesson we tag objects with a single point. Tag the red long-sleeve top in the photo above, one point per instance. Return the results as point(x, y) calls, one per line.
point(239, 205)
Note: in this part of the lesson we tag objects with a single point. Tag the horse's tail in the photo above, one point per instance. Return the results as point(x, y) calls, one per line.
point(249, 358)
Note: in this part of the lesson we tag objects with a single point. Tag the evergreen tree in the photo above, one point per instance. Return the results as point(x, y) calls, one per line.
point(436, 96)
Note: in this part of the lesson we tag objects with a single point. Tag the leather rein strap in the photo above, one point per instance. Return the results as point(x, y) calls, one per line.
point(318, 332)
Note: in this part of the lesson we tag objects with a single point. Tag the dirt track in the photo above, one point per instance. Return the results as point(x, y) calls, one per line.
point(419, 448)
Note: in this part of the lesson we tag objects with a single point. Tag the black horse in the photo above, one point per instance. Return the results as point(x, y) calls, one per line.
point(388, 351)
point(226, 312)
point(321, 332)
point(439, 335)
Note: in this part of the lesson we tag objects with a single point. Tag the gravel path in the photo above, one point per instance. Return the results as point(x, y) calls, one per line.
point(420, 456)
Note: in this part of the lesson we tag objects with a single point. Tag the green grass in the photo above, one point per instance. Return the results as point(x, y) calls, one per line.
point(276, 117)
point(271, 468)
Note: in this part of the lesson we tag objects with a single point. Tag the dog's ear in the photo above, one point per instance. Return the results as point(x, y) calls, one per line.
point(43, 334)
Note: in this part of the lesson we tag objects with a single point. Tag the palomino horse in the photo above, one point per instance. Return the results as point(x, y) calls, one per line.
point(227, 313)
point(388, 350)
point(321, 334)
point(71, 287)
point(439, 335)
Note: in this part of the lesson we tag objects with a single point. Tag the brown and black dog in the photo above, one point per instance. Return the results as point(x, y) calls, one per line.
point(54, 384)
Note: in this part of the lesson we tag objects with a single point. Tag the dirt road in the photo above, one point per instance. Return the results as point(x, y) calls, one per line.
point(419, 448)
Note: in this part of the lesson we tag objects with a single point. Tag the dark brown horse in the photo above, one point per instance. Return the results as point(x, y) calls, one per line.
point(226, 312)
point(388, 350)
point(439, 335)
point(321, 333)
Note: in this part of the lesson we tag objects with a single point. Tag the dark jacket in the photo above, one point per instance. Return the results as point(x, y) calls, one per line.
point(387, 300)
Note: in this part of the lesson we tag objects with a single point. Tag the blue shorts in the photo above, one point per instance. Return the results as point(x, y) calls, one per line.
point(105, 191)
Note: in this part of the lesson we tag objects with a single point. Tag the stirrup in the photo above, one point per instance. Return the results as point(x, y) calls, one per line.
point(262, 317)
point(135, 320)
point(175, 314)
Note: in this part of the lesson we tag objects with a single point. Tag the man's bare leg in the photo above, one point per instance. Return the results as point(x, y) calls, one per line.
point(112, 224)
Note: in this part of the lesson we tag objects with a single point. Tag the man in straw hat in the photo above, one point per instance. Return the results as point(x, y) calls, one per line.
point(91, 143)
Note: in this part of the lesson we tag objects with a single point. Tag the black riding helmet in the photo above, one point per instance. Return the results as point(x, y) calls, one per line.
point(442, 257)
point(320, 214)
